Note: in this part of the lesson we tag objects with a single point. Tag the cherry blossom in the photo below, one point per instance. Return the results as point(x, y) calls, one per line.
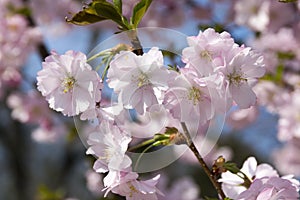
point(271, 188)
point(288, 124)
point(233, 184)
point(183, 188)
point(205, 49)
point(239, 119)
point(242, 72)
point(29, 108)
point(135, 78)
point(127, 184)
point(109, 145)
point(69, 83)
point(254, 13)
point(17, 41)
point(189, 96)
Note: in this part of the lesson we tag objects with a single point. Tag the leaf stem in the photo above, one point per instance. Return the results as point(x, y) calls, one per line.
point(206, 169)
point(147, 142)
point(137, 47)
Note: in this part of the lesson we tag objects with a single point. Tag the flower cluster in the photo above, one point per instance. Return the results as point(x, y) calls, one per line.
point(218, 72)
point(259, 182)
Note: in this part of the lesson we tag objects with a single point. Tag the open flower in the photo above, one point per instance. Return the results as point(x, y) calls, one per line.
point(136, 78)
point(206, 49)
point(271, 188)
point(241, 73)
point(69, 83)
point(233, 184)
point(109, 145)
point(127, 184)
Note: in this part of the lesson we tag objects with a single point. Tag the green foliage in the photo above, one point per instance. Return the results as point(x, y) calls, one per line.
point(139, 11)
point(231, 167)
point(287, 1)
point(25, 11)
point(277, 76)
point(118, 4)
point(110, 12)
point(44, 193)
point(87, 16)
point(100, 10)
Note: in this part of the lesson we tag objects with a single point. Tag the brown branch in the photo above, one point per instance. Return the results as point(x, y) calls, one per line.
point(206, 169)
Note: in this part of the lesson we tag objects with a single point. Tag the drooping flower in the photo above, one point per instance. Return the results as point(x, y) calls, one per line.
point(69, 83)
point(109, 145)
point(137, 78)
point(127, 184)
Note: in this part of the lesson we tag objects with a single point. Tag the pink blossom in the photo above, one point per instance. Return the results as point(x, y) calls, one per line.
point(17, 41)
point(109, 145)
point(241, 73)
point(51, 16)
point(135, 78)
point(239, 119)
point(127, 184)
point(206, 49)
point(271, 188)
point(253, 13)
point(29, 108)
point(270, 95)
point(94, 182)
point(232, 184)
point(288, 124)
point(183, 188)
point(286, 158)
point(69, 83)
point(189, 97)
point(54, 132)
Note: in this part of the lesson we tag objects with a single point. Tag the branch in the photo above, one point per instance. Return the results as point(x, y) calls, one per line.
point(206, 169)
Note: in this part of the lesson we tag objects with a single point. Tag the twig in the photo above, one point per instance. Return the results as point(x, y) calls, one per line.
point(206, 169)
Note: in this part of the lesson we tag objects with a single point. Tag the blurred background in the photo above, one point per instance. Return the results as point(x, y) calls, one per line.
point(41, 155)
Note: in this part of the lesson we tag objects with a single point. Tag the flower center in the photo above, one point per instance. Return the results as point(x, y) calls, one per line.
point(107, 154)
point(68, 84)
point(236, 78)
point(194, 95)
point(132, 189)
point(142, 80)
point(205, 55)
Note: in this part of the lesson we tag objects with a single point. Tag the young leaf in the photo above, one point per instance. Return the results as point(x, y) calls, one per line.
point(84, 18)
point(87, 16)
point(109, 11)
point(231, 167)
point(118, 4)
point(100, 10)
point(139, 11)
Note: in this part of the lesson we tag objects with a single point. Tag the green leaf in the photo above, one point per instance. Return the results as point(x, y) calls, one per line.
point(87, 16)
point(287, 1)
point(109, 11)
point(100, 10)
point(139, 11)
point(231, 167)
point(118, 4)
point(84, 18)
